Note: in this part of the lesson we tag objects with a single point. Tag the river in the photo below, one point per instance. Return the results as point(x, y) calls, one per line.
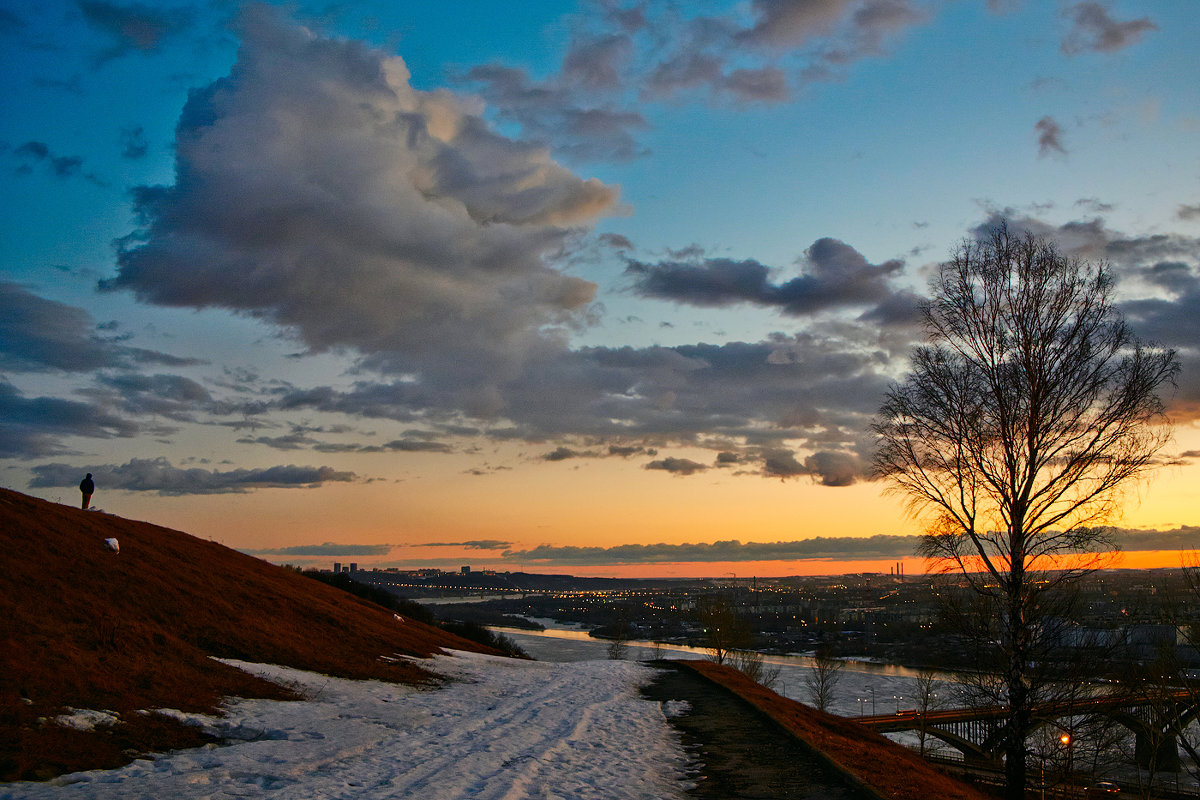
point(863, 687)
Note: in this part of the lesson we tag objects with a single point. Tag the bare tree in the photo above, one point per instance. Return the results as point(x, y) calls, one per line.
point(725, 631)
point(927, 699)
point(1028, 411)
point(823, 678)
point(754, 666)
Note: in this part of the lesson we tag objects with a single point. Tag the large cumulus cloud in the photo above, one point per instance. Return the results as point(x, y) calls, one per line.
point(317, 189)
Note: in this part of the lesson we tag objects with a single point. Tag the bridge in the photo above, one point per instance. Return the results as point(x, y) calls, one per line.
point(979, 733)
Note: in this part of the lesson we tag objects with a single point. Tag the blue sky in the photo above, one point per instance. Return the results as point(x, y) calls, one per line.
point(265, 266)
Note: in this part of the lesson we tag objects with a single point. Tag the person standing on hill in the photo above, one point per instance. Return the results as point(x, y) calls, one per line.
point(87, 487)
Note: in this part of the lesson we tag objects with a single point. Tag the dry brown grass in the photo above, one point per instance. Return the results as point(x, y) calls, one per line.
point(889, 769)
point(83, 627)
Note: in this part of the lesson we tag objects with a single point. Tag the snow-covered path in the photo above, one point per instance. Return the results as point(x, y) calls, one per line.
point(502, 730)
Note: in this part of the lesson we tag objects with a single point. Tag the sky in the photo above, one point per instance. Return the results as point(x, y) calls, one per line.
point(604, 288)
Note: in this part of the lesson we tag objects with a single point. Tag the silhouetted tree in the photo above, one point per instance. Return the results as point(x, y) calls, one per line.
point(1028, 410)
point(725, 631)
point(822, 679)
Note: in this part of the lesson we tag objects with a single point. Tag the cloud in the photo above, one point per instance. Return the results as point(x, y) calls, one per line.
point(133, 142)
point(470, 544)
point(59, 166)
point(158, 475)
point(877, 547)
point(36, 426)
point(326, 549)
point(1093, 29)
point(677, 466)
point(560, 454)
point(37, 335)
point(172, 396)
point(1183, 538)
point(595, 105)
point(134, 27)
point(1159, 281)
point(318, 190)
point(1188, 212)
point(1049, 137)
point(814, 391)
point(868, 547)
point(836, 275)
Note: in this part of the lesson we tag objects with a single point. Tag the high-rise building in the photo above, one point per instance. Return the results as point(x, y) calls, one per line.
point(337, 567)
point(353, 566)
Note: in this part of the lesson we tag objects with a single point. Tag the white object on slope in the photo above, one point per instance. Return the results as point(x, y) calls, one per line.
point(504, 729)
point(113, 545)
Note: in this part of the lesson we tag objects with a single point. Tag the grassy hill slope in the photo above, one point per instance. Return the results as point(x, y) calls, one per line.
point(84, 627)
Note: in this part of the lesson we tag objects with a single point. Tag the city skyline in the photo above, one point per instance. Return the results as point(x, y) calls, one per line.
point(613, 288)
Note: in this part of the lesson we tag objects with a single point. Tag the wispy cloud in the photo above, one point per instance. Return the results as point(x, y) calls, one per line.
point(1094, 29)
point(1049, 137)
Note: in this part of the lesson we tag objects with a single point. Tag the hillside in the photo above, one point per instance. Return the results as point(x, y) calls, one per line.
point(84, 627)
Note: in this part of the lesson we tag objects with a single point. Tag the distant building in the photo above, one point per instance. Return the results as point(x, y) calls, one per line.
point(337, 567)
point(466, 570)
point(353, 566)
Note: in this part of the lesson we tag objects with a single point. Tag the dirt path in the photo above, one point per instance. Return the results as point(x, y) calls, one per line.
point(739, 753)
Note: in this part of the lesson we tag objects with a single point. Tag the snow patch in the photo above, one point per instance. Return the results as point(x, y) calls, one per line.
point(83, 719)
point(500, 729)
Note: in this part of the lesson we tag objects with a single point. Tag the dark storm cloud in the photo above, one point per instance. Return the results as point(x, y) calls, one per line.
point(159, 475)
point(1093, 29)
point(326, 549)
point(134, 27)
point(1049, 137)
point(836, 275)
point(36, 426)
point(383, 219)
point(869, 547)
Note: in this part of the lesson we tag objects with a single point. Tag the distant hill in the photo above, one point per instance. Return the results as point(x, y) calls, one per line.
point(84, 627)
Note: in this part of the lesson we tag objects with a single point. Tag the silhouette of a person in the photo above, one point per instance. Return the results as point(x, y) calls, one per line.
point(87, 487)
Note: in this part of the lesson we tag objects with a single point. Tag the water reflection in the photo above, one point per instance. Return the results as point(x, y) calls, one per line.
point(864, 687)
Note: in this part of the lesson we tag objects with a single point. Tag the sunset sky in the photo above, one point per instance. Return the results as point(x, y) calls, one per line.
point(606, 287)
